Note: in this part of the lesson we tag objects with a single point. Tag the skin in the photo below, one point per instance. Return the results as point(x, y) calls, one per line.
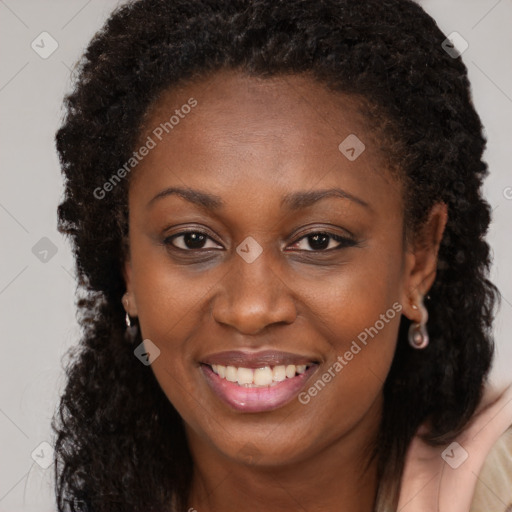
point(250, 142)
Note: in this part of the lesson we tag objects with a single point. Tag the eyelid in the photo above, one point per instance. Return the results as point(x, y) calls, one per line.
point(330, 229)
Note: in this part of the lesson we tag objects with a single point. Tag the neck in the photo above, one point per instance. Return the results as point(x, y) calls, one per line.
point(339, 476)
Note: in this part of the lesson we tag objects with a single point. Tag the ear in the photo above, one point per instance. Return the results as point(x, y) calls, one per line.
point(421, 260)
point(129, 302)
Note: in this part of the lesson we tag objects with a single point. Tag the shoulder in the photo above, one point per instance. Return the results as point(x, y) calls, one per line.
point(493, 491)
point(469, 473)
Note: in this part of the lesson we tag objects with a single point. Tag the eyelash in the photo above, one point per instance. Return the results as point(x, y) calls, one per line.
point(344, 242)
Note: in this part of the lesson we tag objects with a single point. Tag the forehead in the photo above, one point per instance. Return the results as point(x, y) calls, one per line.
point(243, 107)
point(265, 135)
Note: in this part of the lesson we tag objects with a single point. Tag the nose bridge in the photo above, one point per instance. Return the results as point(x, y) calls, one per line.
point(253, 295)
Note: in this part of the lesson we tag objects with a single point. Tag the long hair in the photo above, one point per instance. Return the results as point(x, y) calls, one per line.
point(120, 444)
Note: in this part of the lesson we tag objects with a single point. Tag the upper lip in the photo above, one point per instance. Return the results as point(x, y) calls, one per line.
point(257, 359)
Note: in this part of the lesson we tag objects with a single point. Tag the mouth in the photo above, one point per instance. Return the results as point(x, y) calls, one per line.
point(257, 382)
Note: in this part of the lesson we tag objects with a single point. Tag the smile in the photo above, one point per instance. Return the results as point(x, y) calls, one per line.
point(255, 384)
point(259, 377)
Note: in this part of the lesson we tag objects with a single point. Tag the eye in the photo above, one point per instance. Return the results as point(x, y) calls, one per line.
point(190, 240)
point(323, 241)
point(317, 241)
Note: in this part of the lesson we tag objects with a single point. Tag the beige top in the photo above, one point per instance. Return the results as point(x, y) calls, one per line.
point(493, 491)
point(471, 474)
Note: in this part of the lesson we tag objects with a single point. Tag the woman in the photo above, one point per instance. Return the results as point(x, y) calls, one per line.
point(277, 220)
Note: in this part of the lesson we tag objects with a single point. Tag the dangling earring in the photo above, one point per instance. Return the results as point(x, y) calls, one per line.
point(418, 335)
point(131, 330)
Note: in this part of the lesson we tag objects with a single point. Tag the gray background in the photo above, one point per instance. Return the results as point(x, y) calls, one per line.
point(37, 297)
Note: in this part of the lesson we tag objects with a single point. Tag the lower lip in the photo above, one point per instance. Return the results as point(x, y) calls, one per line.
point(257, 399)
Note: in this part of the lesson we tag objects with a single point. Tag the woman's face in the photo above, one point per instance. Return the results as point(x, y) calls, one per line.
point(268, 191)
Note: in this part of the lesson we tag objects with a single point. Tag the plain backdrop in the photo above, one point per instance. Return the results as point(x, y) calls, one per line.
point(37, 288)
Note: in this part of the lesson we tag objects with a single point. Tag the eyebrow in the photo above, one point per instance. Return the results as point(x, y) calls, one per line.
point(292, 201)
point(304, 199)
point(203, 199)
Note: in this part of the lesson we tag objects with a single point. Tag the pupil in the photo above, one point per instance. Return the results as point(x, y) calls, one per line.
point(194, 240)
point(320, 241)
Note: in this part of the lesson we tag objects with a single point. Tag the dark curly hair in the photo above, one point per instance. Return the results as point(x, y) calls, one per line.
point(120, 445)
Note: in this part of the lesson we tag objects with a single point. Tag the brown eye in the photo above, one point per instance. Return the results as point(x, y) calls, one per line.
point(322, 241)
point(190, 240)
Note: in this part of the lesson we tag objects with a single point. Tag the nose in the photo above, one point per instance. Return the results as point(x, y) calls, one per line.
point(253, 296)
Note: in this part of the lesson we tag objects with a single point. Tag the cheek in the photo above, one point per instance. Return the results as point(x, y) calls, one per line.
point(168, 296)
point(169, 304)
point(356, 296)
point(358, 313)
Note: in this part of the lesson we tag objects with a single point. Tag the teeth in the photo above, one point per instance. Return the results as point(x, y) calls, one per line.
point(279, 373)
point(231, 373)
point(245, 376)
point(290, 371)
point(265, 376)
point(262, 376)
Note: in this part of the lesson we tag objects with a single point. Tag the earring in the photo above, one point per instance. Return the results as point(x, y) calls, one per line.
point(418, 335)
point(130, 333)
